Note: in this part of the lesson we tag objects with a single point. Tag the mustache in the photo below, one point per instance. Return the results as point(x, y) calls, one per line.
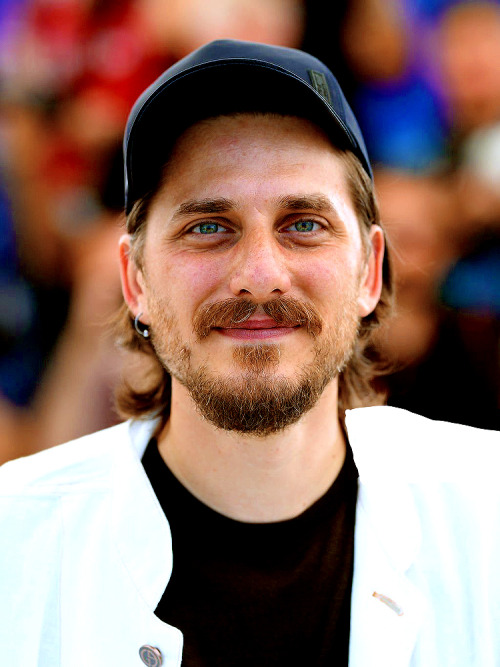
point(285, 311)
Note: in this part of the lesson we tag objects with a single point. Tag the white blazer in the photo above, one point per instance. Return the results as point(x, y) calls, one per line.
point(86, 549)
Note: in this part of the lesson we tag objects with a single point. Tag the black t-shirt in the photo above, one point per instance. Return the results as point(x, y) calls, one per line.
point(259, 595)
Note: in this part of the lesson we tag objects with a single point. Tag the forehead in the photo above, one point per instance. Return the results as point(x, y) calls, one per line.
point(227, 147)
point(256, 125)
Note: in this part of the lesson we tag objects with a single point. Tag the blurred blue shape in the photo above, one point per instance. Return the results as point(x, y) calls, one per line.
point(473, 284)
point(402, 124)
point(19, 352)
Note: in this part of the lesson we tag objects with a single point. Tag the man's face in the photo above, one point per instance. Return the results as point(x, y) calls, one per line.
point(254, 276)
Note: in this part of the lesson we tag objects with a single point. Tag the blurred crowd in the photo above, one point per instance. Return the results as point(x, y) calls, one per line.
point(424, 79)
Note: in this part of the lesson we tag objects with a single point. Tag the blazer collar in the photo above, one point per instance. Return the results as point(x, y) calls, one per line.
point(385, 492)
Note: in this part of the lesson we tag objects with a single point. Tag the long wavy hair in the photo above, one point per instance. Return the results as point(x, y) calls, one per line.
point(145, 390)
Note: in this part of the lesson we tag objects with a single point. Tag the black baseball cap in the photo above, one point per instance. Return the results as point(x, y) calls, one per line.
point(229, 76)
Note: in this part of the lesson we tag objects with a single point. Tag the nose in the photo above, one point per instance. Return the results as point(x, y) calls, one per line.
point(259, 268)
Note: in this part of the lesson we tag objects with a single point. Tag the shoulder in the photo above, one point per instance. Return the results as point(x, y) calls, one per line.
point(389, 441)
point(75, 464)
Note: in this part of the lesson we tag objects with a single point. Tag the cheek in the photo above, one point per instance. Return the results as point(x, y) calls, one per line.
point(199, 277)
point(186, 281)
point(326, 282)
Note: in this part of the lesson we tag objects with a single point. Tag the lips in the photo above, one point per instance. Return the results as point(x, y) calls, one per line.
point(256, 329)
point(256, 323)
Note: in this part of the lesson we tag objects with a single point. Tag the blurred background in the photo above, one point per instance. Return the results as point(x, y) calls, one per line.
point(423, 77)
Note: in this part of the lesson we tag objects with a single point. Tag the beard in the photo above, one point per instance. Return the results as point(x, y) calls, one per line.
point(258, 401)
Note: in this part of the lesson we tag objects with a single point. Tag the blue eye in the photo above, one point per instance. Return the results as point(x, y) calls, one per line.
point(304, 226)
point(208, 228)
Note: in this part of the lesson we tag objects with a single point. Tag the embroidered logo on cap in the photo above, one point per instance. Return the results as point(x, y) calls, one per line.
point(320, 85)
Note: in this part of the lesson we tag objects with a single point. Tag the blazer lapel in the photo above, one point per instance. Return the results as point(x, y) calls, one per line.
point(140, 528)
point(387, 608)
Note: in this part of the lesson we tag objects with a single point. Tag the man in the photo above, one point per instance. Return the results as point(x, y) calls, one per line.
point(228, 523)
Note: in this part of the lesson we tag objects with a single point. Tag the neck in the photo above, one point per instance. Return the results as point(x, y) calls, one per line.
point(254, 479)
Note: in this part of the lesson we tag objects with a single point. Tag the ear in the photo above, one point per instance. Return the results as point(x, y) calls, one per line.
point(371, 278)
point(132, 278)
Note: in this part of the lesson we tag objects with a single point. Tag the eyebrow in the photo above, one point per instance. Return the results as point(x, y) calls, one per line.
point(311, 202)
point(193, 206)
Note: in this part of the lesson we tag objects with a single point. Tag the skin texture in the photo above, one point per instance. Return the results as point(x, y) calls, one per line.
point(272, 191)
